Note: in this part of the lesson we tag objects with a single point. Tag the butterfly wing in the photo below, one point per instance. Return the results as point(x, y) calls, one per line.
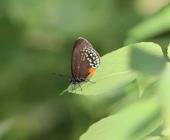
point(83, 59)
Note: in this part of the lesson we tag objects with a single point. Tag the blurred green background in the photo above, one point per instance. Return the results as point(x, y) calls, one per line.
point(36, 40)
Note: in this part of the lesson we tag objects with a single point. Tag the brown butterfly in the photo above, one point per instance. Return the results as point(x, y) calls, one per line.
point(85, 60)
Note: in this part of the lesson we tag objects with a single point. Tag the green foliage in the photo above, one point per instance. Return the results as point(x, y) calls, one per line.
point(134, 122)
point(127, 98)
point(119, 67)
point(137, 119)
point(152, 64)
point(153, 26)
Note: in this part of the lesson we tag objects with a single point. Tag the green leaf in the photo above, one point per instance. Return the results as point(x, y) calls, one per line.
point(144, 82)
point(147, 62)
point(114, 71)
point(163, 89)
point(154, 138)
point(134, 122)
point(155, 25)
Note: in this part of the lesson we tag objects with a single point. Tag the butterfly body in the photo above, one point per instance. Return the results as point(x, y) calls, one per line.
point(85, 60)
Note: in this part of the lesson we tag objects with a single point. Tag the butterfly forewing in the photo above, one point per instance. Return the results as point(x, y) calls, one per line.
point(84, 57)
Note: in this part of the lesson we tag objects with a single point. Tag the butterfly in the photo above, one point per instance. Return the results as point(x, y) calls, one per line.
point(85, 60)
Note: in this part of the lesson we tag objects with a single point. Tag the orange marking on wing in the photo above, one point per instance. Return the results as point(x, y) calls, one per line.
point(91, 71)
